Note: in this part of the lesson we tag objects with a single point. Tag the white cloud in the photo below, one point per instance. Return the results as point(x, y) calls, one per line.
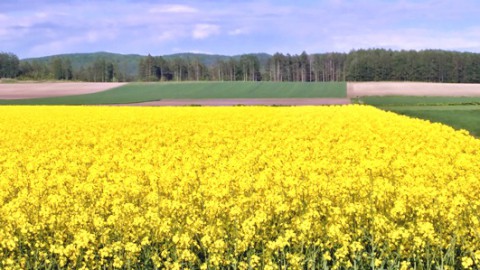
point(199, 51)
point(265, 25)
point(3, 33)
point(41, 15)
point(410, 39)
point(168, 35)
point(50, 48)
point(3, 30)
point(92, 36)
point(64, 44)
point(10, 30)
point(239, 31)
point(173, 9)
point(204, 30)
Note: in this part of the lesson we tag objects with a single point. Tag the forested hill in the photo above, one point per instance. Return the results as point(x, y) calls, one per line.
point(79, 60)
point(357, 65)
point(127, 65)
point(211, 59)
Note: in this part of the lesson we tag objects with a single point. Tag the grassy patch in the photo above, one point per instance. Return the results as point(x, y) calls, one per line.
point(417, 101)
point(431, 108)
point(468, 119)
point(141, 92)
point(457, 112)
point(8, 80)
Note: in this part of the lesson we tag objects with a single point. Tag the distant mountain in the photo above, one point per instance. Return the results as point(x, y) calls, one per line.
point(206, 59)
point(211, 59)
point(262, 57)
point(129, 62)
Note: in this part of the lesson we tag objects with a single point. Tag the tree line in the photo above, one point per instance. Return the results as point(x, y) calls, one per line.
point(424, 66)
point(246, 68)
point(9, 65)
point(357, 65)
point(60, 68)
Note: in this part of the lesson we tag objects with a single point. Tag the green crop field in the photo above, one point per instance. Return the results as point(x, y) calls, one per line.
point(142, 92)
point(457, 112)
point(379, 101)
point(458, 118)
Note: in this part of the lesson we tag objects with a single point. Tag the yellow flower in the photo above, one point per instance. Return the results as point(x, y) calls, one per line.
point(467, 262)
point(274, 187)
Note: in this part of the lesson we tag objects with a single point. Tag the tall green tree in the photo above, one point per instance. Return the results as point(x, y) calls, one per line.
point(9, 65)
point(250, 67)
point(56, 69)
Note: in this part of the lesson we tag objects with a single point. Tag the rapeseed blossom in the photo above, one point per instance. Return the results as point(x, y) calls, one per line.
point(235, 188)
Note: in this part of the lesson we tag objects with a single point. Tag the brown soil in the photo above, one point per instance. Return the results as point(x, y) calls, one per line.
point(244, 101)
point(358, 89)
point(39, 90)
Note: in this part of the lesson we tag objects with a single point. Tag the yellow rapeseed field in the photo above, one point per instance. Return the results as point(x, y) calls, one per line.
point(235, 188)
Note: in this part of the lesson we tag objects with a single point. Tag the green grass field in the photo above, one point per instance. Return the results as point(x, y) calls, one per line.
point(142, 92)
point(379, 101)
point(462, 118)
point(457, 112)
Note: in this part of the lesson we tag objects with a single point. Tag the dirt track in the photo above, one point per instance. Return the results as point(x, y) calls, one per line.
point(358, 89)
point(244, 101)
point(39, 90)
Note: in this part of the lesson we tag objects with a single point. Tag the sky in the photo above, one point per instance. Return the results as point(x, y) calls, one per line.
point(35, 28)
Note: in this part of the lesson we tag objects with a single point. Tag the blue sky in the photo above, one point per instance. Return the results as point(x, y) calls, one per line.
point(47, 27)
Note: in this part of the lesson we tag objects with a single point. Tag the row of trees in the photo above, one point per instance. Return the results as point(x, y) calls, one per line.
point(246, 68)
point(306, 68)
point(357, 65)
point(9, 65)
point(157, 68)
point(59, 68)
point(428, 66)
point(100, 71)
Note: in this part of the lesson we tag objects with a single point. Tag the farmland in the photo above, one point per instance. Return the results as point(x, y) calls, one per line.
point(235, 187)
point(418, 89)
point(405, 101)
point(450, 100)
point(455, 104)
point(144, 92)
point(466, 118)
point(14, 90)
point(458, 112)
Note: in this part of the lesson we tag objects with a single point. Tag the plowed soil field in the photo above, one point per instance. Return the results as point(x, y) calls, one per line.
point(361, 89)
point(41, 90)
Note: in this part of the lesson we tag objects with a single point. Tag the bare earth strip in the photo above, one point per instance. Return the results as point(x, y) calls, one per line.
point(358, 89)
point(40, 90)
point(245, 101)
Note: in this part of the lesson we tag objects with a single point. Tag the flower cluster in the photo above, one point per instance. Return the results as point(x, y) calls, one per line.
point(235, 188)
